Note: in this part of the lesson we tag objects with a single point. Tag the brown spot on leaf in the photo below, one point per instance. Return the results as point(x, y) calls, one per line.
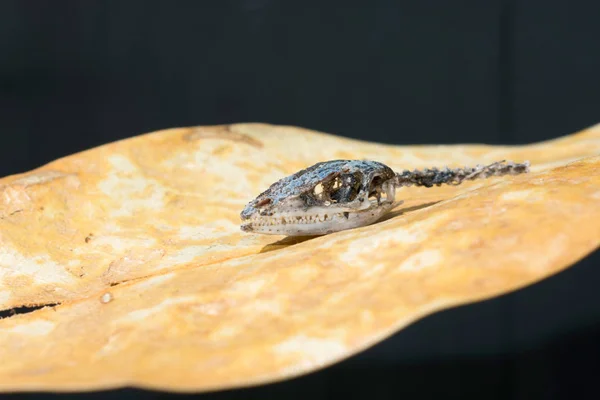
point(225, 132)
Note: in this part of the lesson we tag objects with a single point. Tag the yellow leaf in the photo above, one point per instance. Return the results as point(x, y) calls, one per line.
point(137, 247)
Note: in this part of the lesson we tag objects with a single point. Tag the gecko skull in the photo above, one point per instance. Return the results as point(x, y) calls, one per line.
point(324, 198)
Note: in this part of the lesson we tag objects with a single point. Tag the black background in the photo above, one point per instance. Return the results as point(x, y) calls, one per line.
point(76, 74)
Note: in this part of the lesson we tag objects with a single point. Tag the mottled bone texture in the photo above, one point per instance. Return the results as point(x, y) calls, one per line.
point(138, 243)
point(306, 179)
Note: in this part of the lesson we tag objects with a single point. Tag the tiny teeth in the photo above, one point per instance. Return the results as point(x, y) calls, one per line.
point(303, 219)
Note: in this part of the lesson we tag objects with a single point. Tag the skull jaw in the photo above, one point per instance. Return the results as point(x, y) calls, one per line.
point(317, 223)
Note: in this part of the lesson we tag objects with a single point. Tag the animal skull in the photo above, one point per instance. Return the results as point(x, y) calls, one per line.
point(327, 197)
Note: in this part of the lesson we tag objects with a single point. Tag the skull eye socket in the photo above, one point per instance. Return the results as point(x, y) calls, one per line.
point(345, 187)
point(376, 191)
point(376, 181)
point(374, 186)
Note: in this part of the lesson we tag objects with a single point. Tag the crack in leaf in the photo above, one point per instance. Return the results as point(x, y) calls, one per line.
point(24, 309)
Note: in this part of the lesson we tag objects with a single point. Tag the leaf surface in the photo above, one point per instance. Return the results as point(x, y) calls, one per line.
point(137, 246)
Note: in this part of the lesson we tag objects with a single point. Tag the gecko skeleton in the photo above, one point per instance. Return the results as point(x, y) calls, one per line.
point(336, 195)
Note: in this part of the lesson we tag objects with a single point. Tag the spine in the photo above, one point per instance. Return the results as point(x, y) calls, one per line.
point(447, 176)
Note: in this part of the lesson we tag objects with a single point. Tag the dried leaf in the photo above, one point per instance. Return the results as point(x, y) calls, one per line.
point(137, 246)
